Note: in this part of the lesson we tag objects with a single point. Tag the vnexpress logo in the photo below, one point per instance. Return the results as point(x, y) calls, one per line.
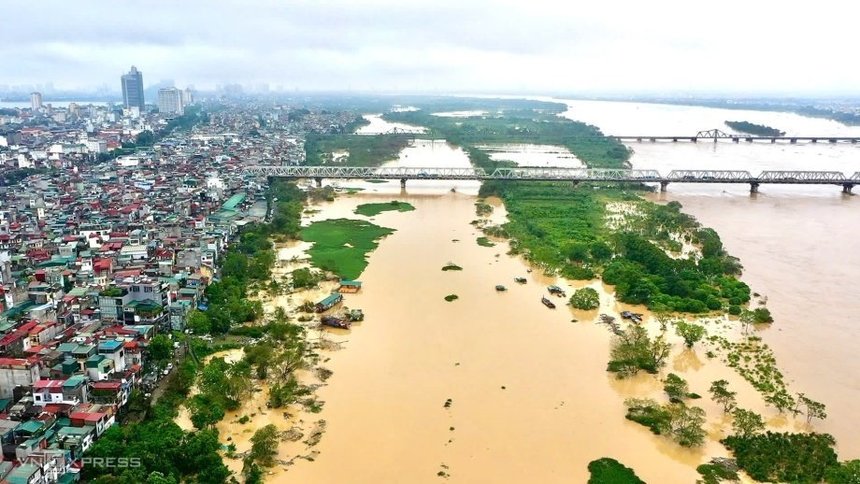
point(111, 462)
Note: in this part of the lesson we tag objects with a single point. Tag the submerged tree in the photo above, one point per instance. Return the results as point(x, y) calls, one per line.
point(721, 394)
point(746, 422)
point(676, 387)
point(632, 350)
point(691, 332)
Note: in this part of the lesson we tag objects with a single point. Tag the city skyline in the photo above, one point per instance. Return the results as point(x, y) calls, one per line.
point(441, 46)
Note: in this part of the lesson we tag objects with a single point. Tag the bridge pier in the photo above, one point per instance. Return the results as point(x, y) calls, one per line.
point(772, 140)
point(735, 139)
point(814, 140)
point(318, 181)
point(403, 183)
point(663, 186)
point(847, 187)
point(694, 140)
point(754, 187)
point(793, 141)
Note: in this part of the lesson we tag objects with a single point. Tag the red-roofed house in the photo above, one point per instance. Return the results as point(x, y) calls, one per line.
point(100, 420)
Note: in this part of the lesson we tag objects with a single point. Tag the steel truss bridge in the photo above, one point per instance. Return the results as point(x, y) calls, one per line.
point(716, 135)
point(575, 175)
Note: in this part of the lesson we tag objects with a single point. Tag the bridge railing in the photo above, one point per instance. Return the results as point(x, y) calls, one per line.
point(708, 175)
point(789, 176)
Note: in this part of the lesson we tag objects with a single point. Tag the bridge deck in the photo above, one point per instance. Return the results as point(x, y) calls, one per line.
point(559, 174)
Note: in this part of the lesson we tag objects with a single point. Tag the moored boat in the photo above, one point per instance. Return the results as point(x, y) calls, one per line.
point(520, 280)
point(546, 302)
point(501, 288)
point(334, 322)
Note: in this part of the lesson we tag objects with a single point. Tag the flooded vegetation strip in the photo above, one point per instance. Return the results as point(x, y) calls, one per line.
point(362, 150)
point(754, 129)
point(371, 209)
point(538, 125)
point(341, 245)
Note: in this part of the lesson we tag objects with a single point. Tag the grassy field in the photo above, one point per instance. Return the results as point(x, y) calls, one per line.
point(341, 245)
point(371, 209)
point(522, 126)
point(364, 150)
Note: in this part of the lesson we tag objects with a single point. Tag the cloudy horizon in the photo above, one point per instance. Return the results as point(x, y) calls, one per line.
point(614, 47)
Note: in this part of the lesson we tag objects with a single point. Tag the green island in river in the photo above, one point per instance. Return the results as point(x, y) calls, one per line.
point(754, 129)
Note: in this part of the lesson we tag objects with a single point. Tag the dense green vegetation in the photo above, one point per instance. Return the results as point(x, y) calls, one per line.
point(371, 209)
point(847, 472)
point(521, 126)
point(721, 394)
point(681, 423)
point(248, 262)
point(364, 150)
point(784, 457)
point(564, 229)
point(166, 451)
point(304, 278)
point(341, 246)
point(585, 298)
point(633, 350)
point(556, 227)
point(610, 471)
point(754, 129)
point(690, 332)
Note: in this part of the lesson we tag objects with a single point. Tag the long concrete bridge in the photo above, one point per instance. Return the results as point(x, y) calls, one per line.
point(575, 175)
point(717, 135)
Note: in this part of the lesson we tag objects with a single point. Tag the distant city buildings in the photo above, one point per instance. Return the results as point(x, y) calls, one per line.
point(132, 89)
point(187, 97)
point(170, 101)
point(36, 101)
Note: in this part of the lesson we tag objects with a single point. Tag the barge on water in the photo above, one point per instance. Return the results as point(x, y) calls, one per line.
point(329, 302)
point(334, 322)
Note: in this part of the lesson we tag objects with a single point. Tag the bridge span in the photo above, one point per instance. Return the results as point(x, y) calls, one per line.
point(574, 175)
point(717, 135)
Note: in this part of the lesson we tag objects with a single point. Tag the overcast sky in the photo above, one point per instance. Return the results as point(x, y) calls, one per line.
point(532, 46)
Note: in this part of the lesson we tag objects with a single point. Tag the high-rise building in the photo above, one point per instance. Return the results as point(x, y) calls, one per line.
point(132, 89)
point(169, 100)
point(36, 100)
point(187, 97)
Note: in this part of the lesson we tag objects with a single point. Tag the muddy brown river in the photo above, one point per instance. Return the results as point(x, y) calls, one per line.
point(494, 387)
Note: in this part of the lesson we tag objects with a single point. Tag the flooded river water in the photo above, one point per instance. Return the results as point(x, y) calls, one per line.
point(798, 244)
point(494, 387)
